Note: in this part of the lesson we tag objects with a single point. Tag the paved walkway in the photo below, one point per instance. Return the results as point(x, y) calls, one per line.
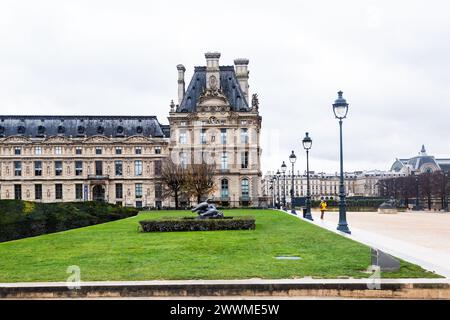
point(422, 238)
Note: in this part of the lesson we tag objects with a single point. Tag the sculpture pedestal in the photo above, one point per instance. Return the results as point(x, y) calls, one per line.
point(387, 210)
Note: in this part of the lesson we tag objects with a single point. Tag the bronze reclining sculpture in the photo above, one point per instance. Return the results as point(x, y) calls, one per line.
point(206, 210)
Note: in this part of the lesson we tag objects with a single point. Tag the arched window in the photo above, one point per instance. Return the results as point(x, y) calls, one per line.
point(244, 188)
point(224, 188)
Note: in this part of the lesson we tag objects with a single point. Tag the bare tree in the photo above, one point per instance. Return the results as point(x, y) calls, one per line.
point(174, 178)
point(200, 180)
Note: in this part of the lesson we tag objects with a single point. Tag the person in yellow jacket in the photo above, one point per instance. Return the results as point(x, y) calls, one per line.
point(323, 207)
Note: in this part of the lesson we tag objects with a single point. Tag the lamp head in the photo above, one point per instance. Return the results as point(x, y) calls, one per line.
point(283, 167)
point(307, 142)
point(340, 107)
point(292, 157)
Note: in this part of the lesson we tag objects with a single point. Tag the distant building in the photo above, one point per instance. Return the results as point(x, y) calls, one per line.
point(420, 164)
point(325, 185)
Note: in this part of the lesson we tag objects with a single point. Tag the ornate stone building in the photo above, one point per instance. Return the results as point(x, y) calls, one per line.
point(77, 158)
point(214, 122)
point(420, 164)
point(118, 159)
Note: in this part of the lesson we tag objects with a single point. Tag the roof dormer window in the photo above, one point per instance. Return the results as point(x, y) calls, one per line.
point(41, 130)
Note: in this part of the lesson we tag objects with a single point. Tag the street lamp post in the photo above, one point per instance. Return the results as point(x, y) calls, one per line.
point(283, 169)
point(278, 189)
point(307, 144)
point(340, 109)
point(272, 188)
point(445, 204)
point(292, 159)
point(417, 205)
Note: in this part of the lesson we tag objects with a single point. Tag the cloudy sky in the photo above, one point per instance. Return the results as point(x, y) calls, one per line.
point(391, 59)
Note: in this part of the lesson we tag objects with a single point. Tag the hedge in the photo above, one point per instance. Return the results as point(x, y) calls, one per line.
point(21, 219)
point(194, 224)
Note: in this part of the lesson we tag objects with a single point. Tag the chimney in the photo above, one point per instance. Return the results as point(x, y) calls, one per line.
point(242, 72)
point(212, 70)
point(181, 85)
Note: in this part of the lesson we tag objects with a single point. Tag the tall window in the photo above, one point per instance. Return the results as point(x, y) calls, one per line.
point(78, 168)
point(138, 167)
point(38, 191)
point(158, 167)
point(78, 150)
point(244, 135)
point(224, 160)
point(157, 150)
point(158, 191)
point(17, 192)
point(98, 168)
point(38, 168)
point(183, 137)
point(58, 150)
point(224, 188)
point(58, 191)
point(223, 136)
point(17, 150)
point(244, 159)
point(118, 150)
point(118, 166)
point(98, 150)
point(38, 150)
point(203, 136)
point(78, 191)
point(119, 191)
point(58, 168)
point(138, 150)
point(17, 168)
point(138, 190)
point(244, 188)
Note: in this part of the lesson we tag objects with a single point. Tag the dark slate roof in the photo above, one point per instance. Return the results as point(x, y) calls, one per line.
point(81, 126)
point(228, 84)
point(419, 161)
point(444, 164)
point(398, 165)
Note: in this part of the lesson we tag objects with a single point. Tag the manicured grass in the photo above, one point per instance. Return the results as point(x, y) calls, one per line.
point(118, 251)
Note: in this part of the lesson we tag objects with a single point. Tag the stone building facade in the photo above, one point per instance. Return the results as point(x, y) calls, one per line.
point(216, 122)
point(78, 158)
point(118, 159)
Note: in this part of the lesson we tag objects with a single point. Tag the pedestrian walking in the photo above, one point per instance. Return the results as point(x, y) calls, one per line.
point(323, 208)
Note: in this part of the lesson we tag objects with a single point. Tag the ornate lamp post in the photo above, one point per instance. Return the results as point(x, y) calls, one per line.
point(340, 109)
point(272, 189)
point(445, 204)
point(278, 189)
point(417, 205)
point(292, 159)
point(307, 144)
point(283, 169)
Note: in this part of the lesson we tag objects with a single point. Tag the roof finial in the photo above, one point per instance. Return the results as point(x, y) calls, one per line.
point(423, 152)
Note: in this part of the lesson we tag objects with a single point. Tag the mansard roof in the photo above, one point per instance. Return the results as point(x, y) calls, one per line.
point(81, 126)
point(229, 86)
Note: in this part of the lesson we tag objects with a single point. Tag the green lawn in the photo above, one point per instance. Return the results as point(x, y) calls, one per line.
point(118, 251)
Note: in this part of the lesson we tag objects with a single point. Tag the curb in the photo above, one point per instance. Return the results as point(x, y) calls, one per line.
point(331, 288)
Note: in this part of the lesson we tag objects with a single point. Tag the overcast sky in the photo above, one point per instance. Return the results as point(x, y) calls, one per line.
point(391, 59)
